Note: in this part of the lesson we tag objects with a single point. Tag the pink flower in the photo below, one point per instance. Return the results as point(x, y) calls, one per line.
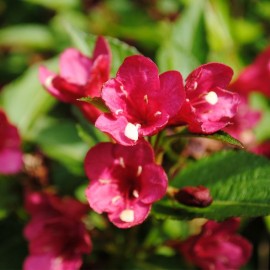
point(209, 107)
point(244, 121)
point(125, 182)
point(217, 247)
point(80, 76)
point(255, 77)
point(141, 101)
point(10, 147)
point(57, 237)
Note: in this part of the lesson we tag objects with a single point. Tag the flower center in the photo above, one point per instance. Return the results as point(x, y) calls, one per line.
point(127, 215)
point(131, 131)
point(211, 98)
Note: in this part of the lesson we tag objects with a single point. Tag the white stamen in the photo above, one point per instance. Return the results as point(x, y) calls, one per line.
point(104, 181)
point(145, 98)
point(139, 171)
point(211, 98)
point(117, 112)
point(135, 193)
point(131, 131)
point(115, 199)
point(48, 82)
point(195, 86)
point(123, 90)
point(122, 162)
point(187, 99)
point(157, 113)
point(127, 215)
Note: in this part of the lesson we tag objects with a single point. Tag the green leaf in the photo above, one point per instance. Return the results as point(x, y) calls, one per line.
point(87, 131)
point(238, 181)
point(97, 102)
point(120, 50)
point(85, 42)
point(25, 100)
point(29, 36)
point(219, 136)
point(59, 140)
point(184, 45)
point(56, 5)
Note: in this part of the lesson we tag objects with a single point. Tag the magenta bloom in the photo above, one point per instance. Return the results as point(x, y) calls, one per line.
point(80, 76)
point(209, 107)
point(10, 147)
point(243, 122)
point(141, 102)
point(255, 77)
point(57, 236)
point(125, 182)
point(217, 247)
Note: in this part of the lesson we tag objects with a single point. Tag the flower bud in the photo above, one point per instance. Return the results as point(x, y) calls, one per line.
point(194, 196)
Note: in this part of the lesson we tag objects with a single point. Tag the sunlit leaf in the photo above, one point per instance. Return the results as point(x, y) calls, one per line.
point(238, 182)
point(219, 136)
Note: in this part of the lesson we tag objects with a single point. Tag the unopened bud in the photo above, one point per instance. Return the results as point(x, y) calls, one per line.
point(194, 196)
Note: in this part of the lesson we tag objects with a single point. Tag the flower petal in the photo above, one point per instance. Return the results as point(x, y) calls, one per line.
point(139, 76)
point(172, 92)
point(114, 127)
point(206, 77)
point(74, 66)
point(154, 183)
point(103, 197)
point(140, 213)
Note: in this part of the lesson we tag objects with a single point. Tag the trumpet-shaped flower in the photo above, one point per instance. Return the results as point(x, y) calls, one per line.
point(80, 76)
point(141, 102)
point(209, 107)
point(57, 236)
point(217, 247)
point(255, 77)
point(10, 147)
point(124, 182)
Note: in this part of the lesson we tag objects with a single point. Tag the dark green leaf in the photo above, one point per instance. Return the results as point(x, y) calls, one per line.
point(97, 102)
point(238, 181)
point(219, 136)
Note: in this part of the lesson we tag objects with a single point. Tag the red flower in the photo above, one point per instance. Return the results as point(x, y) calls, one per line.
point(244, 121)
point(141, 101)
point(125, 181)
point(80, 76)
point(255, 77)
point(10, 147)
point(208, 106)
point(57, 237)
point(217, 247)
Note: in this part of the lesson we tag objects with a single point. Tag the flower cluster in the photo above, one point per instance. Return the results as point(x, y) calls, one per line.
point(80, 76)
point(10, 147)
point(125, 180)
point(217, 247)
point(125, 175)
point(56, 234)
